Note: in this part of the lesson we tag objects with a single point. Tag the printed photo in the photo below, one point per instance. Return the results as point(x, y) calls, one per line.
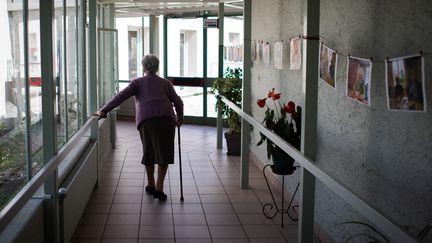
point(295, 53)
point(405, 84)
point(328, 62)
point(278, 55)
point(359, 79)
point(266, 53)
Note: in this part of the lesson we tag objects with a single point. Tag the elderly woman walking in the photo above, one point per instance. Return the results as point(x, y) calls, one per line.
point(155, 120)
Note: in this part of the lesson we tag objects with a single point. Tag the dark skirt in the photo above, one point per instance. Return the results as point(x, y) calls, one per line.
point(157, 137)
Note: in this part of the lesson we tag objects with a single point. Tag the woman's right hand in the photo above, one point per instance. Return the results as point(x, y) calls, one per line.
point(179, 123)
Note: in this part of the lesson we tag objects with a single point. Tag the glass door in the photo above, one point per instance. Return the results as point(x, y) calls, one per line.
point(192, 61)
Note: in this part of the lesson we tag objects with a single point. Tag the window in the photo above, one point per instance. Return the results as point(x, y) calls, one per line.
point(133, 38)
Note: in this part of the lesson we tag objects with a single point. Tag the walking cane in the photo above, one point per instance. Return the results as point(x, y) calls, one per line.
point(181, 177)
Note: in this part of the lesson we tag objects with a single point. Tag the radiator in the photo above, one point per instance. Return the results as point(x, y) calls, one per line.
point(79, 185)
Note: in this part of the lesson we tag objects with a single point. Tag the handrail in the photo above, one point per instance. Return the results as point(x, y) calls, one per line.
point(385, 224)
point(26, 193)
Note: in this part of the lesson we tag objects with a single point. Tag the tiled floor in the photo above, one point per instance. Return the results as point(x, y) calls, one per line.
point(215, 208)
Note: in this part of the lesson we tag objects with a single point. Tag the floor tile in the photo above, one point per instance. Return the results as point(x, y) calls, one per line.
point(189, 219)
point(125, 198)
point(230, 241)
point(121, 231)
point(194, 241)
point(187, 208)
point(125, 208)
point(262, 231)
point(192, 232)
point(227, 232)
point(118, 240)
point(217, 208)
point(212, 199)
point(247, 207)
point(156, 232)
point(254, 218)
point(156, 241)
point(97, 208)
point(162, 207)
point(156, 219)
point(123, 219)
point(89, 231)
point(222, 219)
point(130, 190)
point(94, 218)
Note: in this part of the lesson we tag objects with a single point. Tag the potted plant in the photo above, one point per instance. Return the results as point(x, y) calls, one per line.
point(230, 86)
point(284, 120)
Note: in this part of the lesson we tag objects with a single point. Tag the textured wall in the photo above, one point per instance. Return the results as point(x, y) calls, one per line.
point(384, 157)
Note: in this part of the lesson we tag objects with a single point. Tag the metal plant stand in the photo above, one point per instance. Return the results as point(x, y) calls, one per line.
point(273, 208)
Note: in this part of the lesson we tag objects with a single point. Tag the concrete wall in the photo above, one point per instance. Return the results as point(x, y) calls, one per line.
point(383, 156)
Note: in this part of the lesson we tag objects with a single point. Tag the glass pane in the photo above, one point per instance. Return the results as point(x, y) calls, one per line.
point(212, 52)
point(192, 98)
point(71, 68)
point(233, 42)
point(130, 49)
point(107, 72)
point(12, 102)
point(185, 47)
point(35, 85)
point(59, 72)
point(211, 102)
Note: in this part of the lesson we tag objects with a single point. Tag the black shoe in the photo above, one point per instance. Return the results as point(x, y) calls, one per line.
point(150, 190)
point(160, 195)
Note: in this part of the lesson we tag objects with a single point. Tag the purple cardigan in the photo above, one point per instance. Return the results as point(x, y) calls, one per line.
point(154, 97)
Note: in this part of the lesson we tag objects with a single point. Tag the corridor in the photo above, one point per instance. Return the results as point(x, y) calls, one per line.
point(215, 208)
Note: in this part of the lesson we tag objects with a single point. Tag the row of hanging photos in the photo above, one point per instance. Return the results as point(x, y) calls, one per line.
point(404, 76)
point(233, 53)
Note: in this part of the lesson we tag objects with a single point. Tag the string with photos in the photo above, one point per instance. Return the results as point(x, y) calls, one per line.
point(323, 39)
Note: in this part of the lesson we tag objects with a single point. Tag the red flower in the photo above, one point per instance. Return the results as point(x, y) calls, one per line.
point(276, 96)
point(289, 107)
point(270, 93)
point(261, 103)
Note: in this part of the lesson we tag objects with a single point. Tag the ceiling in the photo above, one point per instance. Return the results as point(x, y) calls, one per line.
point(173, 7)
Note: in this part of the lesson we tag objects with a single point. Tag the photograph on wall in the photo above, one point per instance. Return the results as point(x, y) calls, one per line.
point(328, 63)
point(266, 53)
point(359, 79)
point(405, 84)
point(295, 53)
point(257, 51)
point(278, 55)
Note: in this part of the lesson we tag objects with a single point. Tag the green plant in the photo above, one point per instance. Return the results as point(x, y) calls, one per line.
point(230, 86)
point(288, 127)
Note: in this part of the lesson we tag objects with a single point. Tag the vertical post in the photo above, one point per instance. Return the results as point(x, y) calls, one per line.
point(165, 45)
point(219, 120)
point(82, 67)
point(311, 15)
point(65, 71)
point(113, 50)
point(246, 96)
point(93, 64)
point(27, 93)
point(152, 31)
point(48, 122)
point(143, 38)
point(204, 69)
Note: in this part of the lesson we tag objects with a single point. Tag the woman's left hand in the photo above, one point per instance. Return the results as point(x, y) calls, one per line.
point(179, 123)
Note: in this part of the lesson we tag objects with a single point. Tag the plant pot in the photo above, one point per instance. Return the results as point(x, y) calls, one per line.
point(233, 142)
point(283, 164)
